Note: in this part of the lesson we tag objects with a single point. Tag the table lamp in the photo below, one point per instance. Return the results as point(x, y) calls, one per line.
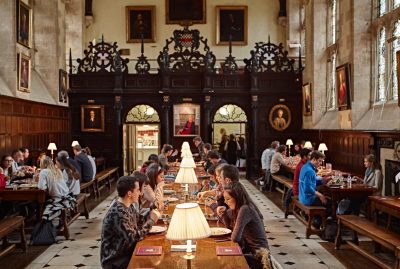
point(308, 145)
point(289, 143)
point(188, 223)
point(52, 147)
point(186, 175)
point(74, 143)
point(188, 162)
point(322, 147)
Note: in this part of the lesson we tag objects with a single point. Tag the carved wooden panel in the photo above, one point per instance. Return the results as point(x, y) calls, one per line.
point(29, 124)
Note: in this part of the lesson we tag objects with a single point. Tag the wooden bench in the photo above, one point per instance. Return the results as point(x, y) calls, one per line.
point(88, 187)
point(386, 238)
point(8, 226)
point(286, 183)
point(311, 212)
point(107, 175)
point(68, 216)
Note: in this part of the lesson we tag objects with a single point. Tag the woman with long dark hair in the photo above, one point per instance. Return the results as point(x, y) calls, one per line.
point(245, 221)
point(153, 193)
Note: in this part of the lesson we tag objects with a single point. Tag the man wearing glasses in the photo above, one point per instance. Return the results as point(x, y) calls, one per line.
point(5, 167)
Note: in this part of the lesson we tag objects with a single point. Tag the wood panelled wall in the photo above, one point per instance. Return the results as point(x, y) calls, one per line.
point(29, 124)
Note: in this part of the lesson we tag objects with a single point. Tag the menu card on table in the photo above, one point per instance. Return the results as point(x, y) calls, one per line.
point(149, 251)
point(228, 251)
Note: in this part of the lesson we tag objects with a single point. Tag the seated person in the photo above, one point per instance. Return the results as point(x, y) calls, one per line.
point(308, 194)
point(70, 174)
point(278, 165)
point(373, 174)
point(121, 230)
point(153, 158)
point(246, 223)
point(84, 163)
point(163, 157)
point(207, 148)
point(6, 161)
point(215, 158)
point(153, 193)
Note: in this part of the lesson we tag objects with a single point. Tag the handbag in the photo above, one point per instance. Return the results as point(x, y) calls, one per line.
point(43, 233)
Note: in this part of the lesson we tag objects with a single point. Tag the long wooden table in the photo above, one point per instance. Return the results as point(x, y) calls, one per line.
point(33, 194)
point(358, 192)
point(386, 204)
point(205, 255)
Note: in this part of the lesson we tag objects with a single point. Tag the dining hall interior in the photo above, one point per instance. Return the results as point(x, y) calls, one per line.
point(199, 134)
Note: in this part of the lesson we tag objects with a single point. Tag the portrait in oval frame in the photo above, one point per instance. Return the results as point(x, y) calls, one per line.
point(280, 117)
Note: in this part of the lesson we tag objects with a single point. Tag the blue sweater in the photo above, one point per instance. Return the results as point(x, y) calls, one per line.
point(307, 184)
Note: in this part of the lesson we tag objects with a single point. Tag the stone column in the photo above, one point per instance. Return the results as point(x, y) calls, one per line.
point(8, 55)
point(75, 28)
point(165, 118)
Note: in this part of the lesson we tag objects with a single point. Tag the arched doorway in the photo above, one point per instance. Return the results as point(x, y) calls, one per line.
point(230, 119)
point(141, 136)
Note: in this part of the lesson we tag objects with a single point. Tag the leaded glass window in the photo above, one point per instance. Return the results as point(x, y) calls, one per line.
point(332, 22)
point(381, 7)
point(142, 113)
point(381, 66)
point(395, 48)
point(230, 113)
point(396, 3)
point(331, 85)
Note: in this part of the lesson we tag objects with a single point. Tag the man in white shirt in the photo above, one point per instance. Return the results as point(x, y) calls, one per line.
point(266, 158)
point(278, 165)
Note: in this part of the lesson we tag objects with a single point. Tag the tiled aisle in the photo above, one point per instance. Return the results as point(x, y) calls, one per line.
point(285, 236)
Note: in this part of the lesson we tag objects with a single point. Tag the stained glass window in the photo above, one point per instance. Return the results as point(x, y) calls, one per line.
point(142, 113)
point(381, 96)
point(230, 113)
point(331, 85)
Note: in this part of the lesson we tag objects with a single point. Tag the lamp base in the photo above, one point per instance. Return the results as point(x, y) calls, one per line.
point(188, 256)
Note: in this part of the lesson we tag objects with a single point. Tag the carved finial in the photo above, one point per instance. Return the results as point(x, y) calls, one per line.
point(269, 39)
point(102, 38)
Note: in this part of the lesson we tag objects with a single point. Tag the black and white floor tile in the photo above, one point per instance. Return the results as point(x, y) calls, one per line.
point(285, 236)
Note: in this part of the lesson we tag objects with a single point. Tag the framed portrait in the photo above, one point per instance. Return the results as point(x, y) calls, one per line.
point(24, 24)
point(24, 73)
point(140, 20)
point(307, 99)
point(92, 118)
point(343, 86)
point(62, 86)
point(185, 11)
point(396, 153)
point(231, 22)
point(280, 117)
point(186, 119)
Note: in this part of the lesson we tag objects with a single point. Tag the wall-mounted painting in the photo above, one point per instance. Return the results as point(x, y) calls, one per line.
point(231, 23)
point(24, 24)
point(62, 86)
point(398, 75)
point(343, 86)
point(185, 11)
point(307, 99)
point(396, 153)
point(280, 117)
point(92, 118)
point(140, 20)
point(186, 119)
point(24, 73)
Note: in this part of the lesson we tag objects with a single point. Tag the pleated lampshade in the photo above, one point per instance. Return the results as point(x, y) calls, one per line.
point(187, 223)
point(185, 145)
point(186, 175)
point(188, 162)
point(186, 153)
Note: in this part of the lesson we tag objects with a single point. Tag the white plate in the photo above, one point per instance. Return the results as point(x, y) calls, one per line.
point(169, 191)
point(172, 199)
point(219, 231)
point(157, 229)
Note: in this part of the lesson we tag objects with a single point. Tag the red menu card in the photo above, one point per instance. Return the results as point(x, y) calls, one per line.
point(228, 251)
point(149, 251)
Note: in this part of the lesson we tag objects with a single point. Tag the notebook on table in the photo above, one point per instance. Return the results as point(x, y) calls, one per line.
point(149, 251)
point(228, 251)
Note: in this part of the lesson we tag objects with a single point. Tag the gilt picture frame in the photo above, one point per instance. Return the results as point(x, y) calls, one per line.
point(307, 100)
point(280, 117)
point(231, 22)
point(186, 119)
point(92, 118)
point(140, 20)
point(343, 87)
point(24, 24)
point(185, 12)
point(24, 73)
